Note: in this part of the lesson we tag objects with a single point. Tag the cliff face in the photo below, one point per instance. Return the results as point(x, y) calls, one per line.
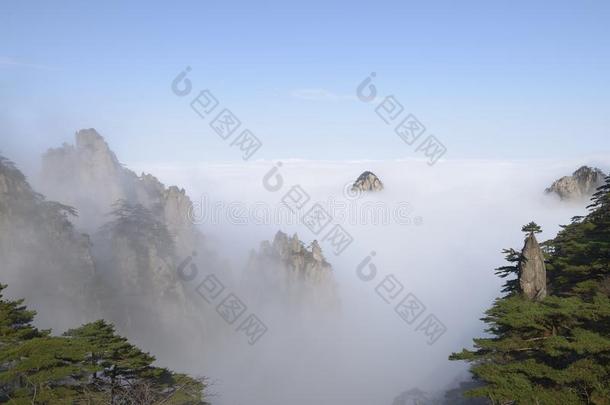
point(136, 279)
point(580, 185)
point(42, 257)
point(89, 176)
point(532, 270)
point(140, 231)
point(367, 181)
point(86, 175)
point(295, 273)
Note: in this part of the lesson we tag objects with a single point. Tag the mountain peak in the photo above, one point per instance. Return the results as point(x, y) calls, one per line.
point(367, 181)
point(581, 184)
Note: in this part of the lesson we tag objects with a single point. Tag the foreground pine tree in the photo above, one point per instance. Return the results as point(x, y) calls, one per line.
point(87, 365)
point(555, 350)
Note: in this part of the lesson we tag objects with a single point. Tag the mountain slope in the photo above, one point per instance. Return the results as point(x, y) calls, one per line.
point(42, 256)
point(557, 349)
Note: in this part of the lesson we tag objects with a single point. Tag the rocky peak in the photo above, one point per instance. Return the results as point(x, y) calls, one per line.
point(89, 176)
point(532, 270)
point(293, 250)
point(316, 252)
point(367, 181)
point(289, 267)
point(581, 184)
point(91, 142)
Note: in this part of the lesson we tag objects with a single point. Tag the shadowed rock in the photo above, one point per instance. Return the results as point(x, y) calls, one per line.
point(580, 185)
point(367, 181)
point(532, 270)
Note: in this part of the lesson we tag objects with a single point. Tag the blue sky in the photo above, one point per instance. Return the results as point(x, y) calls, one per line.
point(488, 79)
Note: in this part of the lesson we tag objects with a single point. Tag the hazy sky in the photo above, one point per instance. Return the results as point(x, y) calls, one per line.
point(489, 79)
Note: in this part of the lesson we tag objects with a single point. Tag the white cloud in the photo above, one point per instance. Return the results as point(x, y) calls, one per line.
point(471, 209)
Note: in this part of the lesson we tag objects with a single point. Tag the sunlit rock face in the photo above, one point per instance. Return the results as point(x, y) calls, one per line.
point(42, 257)
point(367, 181)
point(532, 270)
point(293, 273)
point(580, 185)
point(89, 176)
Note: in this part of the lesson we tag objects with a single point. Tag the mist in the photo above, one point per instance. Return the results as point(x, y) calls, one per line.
point(434, 234)
point(447, 227)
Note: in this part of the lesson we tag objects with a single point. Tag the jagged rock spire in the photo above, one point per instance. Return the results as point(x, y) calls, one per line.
point(316, 251)
point(532, 270)
point(297, 272)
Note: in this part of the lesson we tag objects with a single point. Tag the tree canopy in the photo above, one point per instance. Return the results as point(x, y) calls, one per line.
point(89, 364)
point(557, 350)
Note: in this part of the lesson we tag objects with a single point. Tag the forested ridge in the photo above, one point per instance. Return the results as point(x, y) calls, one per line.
point(556, 349)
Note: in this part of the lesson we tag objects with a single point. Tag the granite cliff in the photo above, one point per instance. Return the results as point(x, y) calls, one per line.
point(532, 270)
point(579, 186)
point(296, 273)
point(88, 176)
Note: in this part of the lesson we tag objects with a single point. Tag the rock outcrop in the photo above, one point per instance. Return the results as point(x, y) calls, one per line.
point(367, 181)
point(580, 185)
point(532, 270)
point(295, 272)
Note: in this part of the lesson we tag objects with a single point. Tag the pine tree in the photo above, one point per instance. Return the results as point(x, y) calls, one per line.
point(16, 322)
point(34, 366)
point(140, 227)
point(532, 227)
point(90, 364)
point(556, 351)
point(127, 373)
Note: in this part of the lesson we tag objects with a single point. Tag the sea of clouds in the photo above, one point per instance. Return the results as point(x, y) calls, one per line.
point(436, 232)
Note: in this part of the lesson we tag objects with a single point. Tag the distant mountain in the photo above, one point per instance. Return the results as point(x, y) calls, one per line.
point(580, 185)
point(367, 181)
